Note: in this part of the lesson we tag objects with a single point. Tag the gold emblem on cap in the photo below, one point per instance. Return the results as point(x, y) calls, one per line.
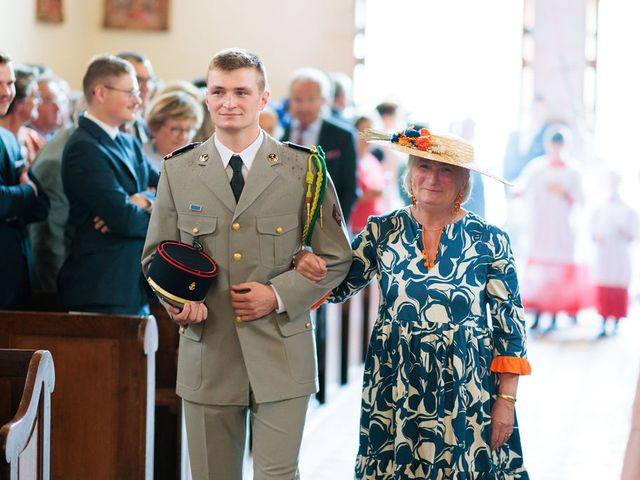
point(192, 286)
point(272, 158)
point(204, 157)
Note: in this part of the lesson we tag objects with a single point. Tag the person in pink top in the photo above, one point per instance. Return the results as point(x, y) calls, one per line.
point(370, 180)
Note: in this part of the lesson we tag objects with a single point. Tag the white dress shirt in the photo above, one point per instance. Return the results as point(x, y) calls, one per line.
point(111, 131)
point(310, 135)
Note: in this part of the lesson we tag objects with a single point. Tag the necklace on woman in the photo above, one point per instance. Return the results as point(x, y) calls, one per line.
point(429, 261)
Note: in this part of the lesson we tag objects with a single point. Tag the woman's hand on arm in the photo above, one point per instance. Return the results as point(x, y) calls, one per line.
point(502, 412)
point(310, 266)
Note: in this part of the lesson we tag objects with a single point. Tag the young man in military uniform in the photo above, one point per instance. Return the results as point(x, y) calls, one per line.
point(250, 346)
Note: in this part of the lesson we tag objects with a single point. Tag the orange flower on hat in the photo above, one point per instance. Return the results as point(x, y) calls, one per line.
point(423, 143)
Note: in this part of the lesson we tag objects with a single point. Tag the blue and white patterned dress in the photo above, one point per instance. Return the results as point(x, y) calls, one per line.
point(428, 384)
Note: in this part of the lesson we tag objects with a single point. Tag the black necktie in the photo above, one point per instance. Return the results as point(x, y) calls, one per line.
point(237, 180)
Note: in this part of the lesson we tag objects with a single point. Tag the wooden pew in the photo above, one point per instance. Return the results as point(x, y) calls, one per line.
point(103, 410)
point(167, 449)
point(27, 379)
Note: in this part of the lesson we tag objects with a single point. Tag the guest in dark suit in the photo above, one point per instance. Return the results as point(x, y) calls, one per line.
point(309, 90)
point(147, 84)
point(106, 179)
point(21, 202)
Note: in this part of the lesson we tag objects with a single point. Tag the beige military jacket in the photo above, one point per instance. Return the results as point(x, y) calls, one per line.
point(221, 361)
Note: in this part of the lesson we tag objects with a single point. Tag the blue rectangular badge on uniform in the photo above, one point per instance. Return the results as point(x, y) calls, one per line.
point(195, 208)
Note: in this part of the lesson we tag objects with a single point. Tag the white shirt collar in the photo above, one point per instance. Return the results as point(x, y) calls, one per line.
point(311, 134)
point(111, 131)
point(247, 155)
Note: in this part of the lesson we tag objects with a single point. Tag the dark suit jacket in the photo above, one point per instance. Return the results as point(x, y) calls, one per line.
point(19, 206)
point(102, 273)
point(338, 142)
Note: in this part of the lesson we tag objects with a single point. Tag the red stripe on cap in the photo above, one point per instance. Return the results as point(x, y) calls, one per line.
point(179, 266)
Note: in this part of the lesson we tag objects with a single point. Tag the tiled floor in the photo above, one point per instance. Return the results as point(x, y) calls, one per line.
point(574, 411)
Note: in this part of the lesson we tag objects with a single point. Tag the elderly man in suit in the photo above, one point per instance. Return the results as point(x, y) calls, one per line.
point(22, 201)
point(106, 179)
point(308, 93)
point(250, 346)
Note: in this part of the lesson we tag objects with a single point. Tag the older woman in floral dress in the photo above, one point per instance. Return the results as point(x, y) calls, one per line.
point(440, 378)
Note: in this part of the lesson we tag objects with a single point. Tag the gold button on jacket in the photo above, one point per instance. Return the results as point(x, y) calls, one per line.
point(195, 230)
point(237, 256)
point(279, 230)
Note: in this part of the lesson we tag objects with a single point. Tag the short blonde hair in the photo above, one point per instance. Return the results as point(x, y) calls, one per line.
point(231, 59)
point(413, 161)
point(175, 105)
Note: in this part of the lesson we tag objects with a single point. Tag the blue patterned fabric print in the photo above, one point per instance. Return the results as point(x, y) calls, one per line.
point(427, 393)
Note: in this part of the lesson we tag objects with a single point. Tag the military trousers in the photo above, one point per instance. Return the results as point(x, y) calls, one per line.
point(216, 437)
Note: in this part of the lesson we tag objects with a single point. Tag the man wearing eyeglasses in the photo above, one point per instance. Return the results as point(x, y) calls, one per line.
point(147, 84)
point(106, 179)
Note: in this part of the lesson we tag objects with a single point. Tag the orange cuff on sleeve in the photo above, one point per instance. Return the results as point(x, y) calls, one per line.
point(515, 365)
point(320, 302)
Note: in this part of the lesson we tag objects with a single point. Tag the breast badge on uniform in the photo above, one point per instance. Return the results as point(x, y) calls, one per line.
point(194, 207)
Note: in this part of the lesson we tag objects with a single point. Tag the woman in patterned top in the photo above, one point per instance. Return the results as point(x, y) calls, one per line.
point(440, 378)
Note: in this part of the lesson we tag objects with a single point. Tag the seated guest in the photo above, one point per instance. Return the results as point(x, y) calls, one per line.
point(24, 109)
point(21, 202)
point(50, 109)
point(309, 90)
point(173, 119)
point(106, 179)
point(147, 84)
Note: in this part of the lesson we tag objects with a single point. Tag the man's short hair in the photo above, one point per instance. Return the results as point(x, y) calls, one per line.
point(25, 85)
point(386, 108)
point(4, 58)
point(315, 76)
point(231, 59)
point(101, 68)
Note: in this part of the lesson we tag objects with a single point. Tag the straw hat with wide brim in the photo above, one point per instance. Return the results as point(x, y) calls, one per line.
point(440, 148)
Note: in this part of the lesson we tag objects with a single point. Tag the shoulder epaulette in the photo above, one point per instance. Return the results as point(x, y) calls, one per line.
point(295, 146)
point(181, 150)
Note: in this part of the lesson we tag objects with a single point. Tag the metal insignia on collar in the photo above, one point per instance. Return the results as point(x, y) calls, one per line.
point(204, 157)
point(194, 207)
point(272, 158)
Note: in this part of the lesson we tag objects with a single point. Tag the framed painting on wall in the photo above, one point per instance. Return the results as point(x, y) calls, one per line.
point(136, 14)
point(49, 11)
